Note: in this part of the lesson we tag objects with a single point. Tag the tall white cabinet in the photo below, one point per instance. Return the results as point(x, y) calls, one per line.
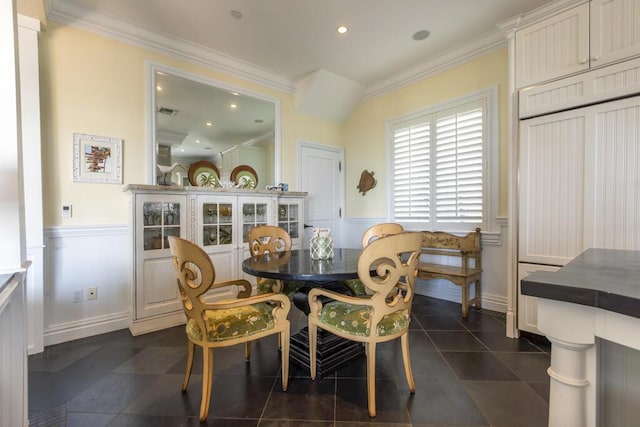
point(575, 77)
point(217, 220)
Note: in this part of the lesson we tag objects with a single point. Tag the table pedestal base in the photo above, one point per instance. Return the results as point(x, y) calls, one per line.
point(333, 351)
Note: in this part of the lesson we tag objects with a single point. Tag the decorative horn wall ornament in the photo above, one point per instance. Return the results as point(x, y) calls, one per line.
point(367, 182)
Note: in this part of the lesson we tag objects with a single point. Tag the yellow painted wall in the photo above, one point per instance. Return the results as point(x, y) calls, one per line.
point(364, 131)
point(94, 85)
point(33, 9)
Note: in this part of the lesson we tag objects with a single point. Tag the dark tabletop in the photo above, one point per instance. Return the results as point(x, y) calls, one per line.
point(602, 278)
point(298, 265)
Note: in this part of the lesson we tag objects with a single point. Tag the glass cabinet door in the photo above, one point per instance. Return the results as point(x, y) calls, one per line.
point(254, 211)
point(161, 217)
point(216, 222)
point(289, 217)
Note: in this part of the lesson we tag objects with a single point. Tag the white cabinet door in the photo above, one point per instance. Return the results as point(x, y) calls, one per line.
point(612, 175)
point(215, 223)
point(615, 30)
point(528, 306)
point(552, 160)
point(554, 47)
point(156, 218)
point(290, 218)
point(254, 211)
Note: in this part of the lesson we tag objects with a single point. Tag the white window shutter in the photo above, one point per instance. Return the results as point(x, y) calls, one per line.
point(411, 173)
point(458, 164)
point(438, 165)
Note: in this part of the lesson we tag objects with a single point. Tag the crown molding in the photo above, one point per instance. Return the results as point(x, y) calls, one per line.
point(466, 52)
point(119, 29)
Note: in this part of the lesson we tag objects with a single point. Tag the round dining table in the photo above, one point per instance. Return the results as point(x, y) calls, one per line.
point(298, 265)
point(333, 351)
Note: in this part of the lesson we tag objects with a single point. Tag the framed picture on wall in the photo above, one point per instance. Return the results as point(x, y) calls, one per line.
point(97, 159)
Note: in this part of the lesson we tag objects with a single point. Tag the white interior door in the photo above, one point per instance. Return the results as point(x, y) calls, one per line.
point(321, 175)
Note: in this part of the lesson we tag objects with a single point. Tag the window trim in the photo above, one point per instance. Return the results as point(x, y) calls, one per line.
point(490, 223)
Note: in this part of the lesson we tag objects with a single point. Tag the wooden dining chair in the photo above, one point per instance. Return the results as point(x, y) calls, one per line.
point(268, 239)
point(224, 323)
point(370, 234)
point(376, 318)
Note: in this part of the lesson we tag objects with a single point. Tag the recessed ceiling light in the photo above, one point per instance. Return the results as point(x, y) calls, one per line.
point(235, 93)
point(236, 14)
point(233, 106)
point(182, 150)
point(158, 88)
point(421, 35)
point(197, 141)
point(209, 124)
point(342, 29)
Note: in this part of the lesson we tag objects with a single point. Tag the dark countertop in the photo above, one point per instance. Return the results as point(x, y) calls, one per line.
point(604, 278)
point(298, 265)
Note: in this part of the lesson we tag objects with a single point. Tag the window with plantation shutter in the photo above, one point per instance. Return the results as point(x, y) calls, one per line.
point(438, 174)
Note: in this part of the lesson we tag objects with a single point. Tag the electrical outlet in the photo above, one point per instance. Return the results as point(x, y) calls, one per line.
point(77, 295)
point(92, 293)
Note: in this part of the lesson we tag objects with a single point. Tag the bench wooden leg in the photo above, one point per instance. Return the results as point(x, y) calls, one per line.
point(465, 300)
point(478, 294)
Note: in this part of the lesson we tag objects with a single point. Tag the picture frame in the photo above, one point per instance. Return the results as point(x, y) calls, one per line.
point(97, 159)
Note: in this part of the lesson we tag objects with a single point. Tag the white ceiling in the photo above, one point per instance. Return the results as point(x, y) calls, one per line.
point(280, 42)
point(293, 38)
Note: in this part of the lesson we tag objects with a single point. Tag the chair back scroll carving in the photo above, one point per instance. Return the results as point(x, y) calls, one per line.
point(268, 239)
point(371, 234)
point(395, 259)
point(380, 230)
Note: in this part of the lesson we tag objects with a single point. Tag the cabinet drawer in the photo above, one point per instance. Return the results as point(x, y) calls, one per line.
point(614, 81)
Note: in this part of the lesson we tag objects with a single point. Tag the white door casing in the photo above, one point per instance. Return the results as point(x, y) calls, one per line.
point(321, 175)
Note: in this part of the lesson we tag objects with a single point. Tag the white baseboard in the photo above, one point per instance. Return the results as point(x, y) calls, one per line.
point(152, 324)
point(442, 290)
point(84, 328)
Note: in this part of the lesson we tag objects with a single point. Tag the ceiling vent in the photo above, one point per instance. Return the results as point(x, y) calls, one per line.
point(167, 111)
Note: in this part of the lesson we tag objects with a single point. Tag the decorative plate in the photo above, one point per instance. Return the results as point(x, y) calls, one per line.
point(244, 176)
point(204, 174)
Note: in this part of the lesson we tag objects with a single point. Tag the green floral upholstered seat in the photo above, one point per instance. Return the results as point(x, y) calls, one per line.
point(356, 319)
point(232, 323)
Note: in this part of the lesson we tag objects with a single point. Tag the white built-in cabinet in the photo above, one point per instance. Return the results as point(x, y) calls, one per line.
point(591, 34)
point(579, 186)
point(218, 221)
point(552, 186)
point(528, 306)
point(575, 68)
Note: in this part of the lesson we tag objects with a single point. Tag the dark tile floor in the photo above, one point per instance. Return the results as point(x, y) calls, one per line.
point(467, 373)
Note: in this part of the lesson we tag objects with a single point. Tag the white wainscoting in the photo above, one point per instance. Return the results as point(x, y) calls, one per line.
point(494, 265)
point(13, 351)
point(77, 258)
